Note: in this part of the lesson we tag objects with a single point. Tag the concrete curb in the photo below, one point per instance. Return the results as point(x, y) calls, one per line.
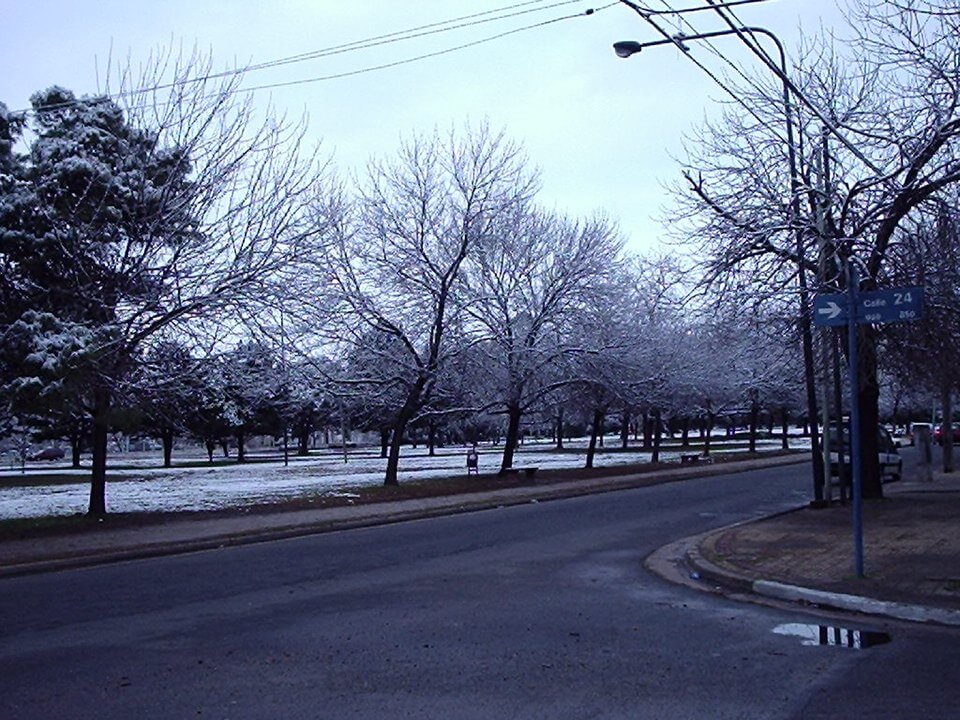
point(855, 603)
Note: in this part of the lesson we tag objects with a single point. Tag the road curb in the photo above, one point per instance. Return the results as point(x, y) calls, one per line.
point(856, 603)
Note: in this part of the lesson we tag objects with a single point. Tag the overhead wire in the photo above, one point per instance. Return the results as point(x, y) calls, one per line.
point(458, 23)
point(424, 56)
point(725, 10)
point(709, 44)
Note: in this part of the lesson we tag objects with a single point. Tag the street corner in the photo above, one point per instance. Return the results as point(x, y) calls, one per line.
point(682, 562)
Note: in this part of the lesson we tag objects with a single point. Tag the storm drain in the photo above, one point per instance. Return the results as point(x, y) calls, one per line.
point(833, 635)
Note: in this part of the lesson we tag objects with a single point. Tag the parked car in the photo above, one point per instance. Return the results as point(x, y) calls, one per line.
point(917, 428)
point(938, 434)
point(891, 464)
point(902, 438)
point(48, 453)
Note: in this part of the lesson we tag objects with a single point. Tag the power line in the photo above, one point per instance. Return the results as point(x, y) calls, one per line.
point(424, 56)
point(453, 24)
point(712, 48)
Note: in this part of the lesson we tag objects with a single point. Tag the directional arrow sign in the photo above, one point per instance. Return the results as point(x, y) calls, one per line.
point(830, 309)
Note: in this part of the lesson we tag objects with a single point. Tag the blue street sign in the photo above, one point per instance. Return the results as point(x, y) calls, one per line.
point(873, 306)
point(890, 305)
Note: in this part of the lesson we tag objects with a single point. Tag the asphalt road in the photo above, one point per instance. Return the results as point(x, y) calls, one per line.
point(538, 611)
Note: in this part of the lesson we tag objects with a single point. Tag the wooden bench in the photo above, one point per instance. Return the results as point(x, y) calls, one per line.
point(529, 471)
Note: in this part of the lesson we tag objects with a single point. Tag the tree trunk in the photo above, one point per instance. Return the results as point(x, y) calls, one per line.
point(241, 447)
point(75, 442)
point(594, 431)
point(754, 417)
point(98, 477)
point(514, 414)
point(211, 446)
point(432, 438)
point(625, 429)
point(303, 443)
point(384, 442)
point(946, 433)
point(647, 435)
point(166, 437)
point(560, 427)
point(868, 398)
point(685, 432)
point(391, 478)
point(657, 434)
point(785, 427)
point(707, 434)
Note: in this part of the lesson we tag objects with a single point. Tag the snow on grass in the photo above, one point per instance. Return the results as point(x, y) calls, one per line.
point(141, 486)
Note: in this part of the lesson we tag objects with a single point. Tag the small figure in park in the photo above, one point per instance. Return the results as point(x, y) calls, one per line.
point(472, 459)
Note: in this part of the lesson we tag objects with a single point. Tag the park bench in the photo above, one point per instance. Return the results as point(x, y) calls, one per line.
point(529, 471)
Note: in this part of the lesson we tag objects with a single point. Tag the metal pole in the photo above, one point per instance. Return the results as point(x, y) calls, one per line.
point(343, 431)
point(826, 333)
point(286, 390)
point(853, 282)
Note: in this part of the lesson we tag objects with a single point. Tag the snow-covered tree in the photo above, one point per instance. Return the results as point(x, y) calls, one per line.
point(127, 222)
point(164, 387)
point(395, 270)
point(891, 108)
point(521, 287)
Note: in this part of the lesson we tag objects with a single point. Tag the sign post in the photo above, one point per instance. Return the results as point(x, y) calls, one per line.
point(853, 282)
point(851, 309)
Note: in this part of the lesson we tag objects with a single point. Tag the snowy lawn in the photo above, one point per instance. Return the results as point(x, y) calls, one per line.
point(142, 486)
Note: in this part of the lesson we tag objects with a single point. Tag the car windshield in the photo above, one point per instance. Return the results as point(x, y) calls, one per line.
point(883, 436)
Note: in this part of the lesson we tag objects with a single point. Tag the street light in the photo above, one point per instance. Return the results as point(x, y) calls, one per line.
point(625, 49)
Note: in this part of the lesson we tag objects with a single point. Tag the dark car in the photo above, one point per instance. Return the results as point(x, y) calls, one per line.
point(938, 434)
point(50, 453)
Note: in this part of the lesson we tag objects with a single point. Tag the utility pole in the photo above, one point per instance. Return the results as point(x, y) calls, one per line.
point(826, 333)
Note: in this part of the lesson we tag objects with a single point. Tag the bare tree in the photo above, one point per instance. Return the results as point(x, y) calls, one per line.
point(393, 271)
point(925, 353)
point(889, 146)
point(520, 287)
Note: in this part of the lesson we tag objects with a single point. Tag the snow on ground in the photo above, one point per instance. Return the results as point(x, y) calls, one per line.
point(141, 486)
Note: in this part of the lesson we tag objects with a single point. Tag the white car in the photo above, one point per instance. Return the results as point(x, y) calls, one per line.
point(891, 464)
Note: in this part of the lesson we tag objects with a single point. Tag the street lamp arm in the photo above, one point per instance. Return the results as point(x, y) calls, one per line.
point(741, 32)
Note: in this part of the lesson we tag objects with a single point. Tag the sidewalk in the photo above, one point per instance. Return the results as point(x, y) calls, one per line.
point(911, 542)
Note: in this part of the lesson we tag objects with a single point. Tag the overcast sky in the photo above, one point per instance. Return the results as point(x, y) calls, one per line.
point(602, 130)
